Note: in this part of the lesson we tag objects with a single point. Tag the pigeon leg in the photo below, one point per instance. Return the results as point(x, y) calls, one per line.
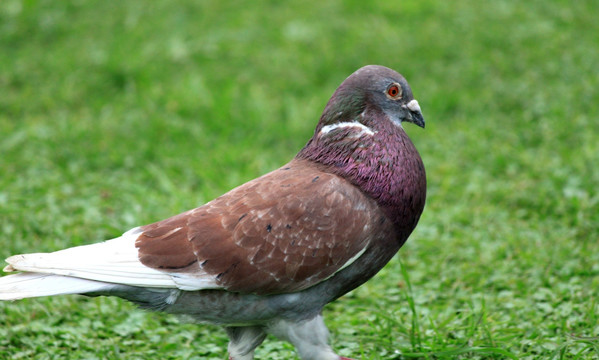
point(243, 341)
point(310, 337)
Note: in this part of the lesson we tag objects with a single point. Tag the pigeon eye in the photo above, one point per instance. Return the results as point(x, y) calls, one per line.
point(394, 91)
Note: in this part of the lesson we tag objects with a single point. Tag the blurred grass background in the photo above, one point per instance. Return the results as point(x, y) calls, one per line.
point(116, 114)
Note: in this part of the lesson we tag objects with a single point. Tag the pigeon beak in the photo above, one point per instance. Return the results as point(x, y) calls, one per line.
point(415, 113)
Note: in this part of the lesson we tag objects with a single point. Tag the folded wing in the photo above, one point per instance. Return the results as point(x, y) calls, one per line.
point(282, 232)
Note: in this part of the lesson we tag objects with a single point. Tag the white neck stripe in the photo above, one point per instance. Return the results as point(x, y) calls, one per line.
point(364, 130)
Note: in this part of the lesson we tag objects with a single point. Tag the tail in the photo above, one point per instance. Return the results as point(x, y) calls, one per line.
point(99, 268)
point(26, 285)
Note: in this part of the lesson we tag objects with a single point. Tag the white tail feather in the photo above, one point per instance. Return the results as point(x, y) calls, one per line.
point(26, 285)
point(91, 268)
point(114, 261)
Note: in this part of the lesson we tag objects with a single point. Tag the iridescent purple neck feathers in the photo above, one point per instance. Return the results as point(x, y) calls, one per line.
point(380, 159)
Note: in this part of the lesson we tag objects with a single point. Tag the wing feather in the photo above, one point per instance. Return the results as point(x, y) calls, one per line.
point(284, 231)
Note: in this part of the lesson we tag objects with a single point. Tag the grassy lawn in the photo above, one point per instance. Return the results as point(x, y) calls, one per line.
point(117, 114)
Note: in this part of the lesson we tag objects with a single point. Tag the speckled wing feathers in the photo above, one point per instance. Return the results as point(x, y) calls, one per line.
point(282, 232)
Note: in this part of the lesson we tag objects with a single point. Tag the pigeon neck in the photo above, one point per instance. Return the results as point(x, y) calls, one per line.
point(383, 163)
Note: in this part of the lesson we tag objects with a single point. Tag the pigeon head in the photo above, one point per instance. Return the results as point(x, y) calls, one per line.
point(372, 88)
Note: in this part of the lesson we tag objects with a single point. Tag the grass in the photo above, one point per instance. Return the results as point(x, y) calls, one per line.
point(115, 114)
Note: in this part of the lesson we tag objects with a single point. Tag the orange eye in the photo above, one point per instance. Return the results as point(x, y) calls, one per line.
point(394, 91)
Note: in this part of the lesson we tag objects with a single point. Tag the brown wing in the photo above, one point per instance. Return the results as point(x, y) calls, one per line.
point(282, 232)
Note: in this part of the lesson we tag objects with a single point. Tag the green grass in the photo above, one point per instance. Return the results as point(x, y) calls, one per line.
point(116, 114)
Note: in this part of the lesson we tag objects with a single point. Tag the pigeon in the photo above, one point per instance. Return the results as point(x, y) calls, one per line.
point(267, 256)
